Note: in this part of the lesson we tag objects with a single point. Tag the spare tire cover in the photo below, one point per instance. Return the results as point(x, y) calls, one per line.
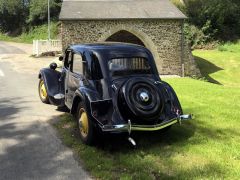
point(142, 97)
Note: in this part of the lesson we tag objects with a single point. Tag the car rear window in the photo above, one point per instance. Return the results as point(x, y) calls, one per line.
point(128, 66)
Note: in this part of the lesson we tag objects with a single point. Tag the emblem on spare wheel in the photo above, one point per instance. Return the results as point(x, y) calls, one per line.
point(144, 96)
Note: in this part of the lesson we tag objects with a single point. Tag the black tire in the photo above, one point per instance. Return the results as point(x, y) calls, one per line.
point(88, 137)
point(130, 94)
point(43, 95)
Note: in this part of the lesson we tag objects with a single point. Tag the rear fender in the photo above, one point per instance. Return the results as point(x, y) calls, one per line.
point(52, 84)
point(83, 94)
point(176, 106)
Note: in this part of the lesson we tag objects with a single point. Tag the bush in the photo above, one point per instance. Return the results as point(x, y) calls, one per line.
point(200, 38)
point(221, 18)
point(36, 32)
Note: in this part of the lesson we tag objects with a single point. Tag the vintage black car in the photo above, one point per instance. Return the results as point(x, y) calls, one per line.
point(111, 87)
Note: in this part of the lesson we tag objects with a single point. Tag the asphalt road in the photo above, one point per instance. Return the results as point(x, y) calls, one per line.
point(5, 48)
point(29, 146)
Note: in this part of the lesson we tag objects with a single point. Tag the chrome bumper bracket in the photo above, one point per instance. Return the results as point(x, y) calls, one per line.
point(130, 127)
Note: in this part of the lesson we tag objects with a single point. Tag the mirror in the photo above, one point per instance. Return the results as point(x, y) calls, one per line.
point(53, 66)
point(60, 58)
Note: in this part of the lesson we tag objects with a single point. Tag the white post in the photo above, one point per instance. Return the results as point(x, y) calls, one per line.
point(37, 48)
point(49, 33)
point(33, 49)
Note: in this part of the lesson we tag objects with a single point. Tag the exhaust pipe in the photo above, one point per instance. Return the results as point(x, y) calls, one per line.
point(131, 140)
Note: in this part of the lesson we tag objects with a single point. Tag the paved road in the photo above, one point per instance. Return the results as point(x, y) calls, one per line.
point(5, 48)
point(29, 147)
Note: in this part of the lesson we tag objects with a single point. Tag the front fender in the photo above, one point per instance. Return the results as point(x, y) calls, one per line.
point(51, 80)
point(52, 84)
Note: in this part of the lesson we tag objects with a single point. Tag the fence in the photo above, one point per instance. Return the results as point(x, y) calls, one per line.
point(41, 46)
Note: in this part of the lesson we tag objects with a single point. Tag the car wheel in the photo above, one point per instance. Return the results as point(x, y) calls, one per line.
point(85, 125)
point(43, 92)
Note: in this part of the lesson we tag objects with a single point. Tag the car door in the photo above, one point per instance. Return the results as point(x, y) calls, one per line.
point(74, 77)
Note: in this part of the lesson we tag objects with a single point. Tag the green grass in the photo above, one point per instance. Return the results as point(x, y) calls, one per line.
point(230, 47)
point(37, 32)
point(208, 147)
point(221, 66)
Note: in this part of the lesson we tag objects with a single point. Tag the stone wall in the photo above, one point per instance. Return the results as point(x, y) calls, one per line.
point(162, 37)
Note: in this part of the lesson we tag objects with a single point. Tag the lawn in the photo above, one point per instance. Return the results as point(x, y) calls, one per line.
point(208, 147)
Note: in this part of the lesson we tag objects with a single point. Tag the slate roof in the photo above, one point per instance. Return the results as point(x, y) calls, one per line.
point(119, 9)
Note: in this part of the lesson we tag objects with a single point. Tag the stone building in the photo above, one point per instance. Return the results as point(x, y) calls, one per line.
point(155, 24)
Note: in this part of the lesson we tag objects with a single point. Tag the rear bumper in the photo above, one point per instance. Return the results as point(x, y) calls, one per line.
point(129, 127)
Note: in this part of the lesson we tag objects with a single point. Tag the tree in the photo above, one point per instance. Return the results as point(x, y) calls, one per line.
point(38, 11)
point(18, 15)
point(224, 16)
point(13, 14)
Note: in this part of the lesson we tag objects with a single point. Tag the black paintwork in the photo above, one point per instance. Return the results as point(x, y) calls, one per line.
point(100, 91)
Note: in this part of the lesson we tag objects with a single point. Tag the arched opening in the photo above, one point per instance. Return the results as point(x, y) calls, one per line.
point(125, 36)
point(132, 35)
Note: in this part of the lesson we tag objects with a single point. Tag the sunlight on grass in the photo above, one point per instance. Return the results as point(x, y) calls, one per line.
point(220, 66)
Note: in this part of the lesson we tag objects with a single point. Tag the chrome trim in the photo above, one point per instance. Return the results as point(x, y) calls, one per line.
point(114, 87)
point(59, 96)
point(130, 127)
point(144, 96)
point(131, 140)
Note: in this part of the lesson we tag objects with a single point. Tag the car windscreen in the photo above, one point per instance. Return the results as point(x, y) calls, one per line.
point(128, 66)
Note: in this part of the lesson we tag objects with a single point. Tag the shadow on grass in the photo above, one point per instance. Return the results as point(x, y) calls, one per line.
point(162, 145)
point(118, 142)
point(177, 135)
point(207, 68)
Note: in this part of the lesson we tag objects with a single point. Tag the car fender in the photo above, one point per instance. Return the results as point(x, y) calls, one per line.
point(53, 85)
point(173, 96)
point(83, 94)
point(51, 80)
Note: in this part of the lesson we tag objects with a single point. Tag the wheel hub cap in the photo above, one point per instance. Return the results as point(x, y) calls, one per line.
point(43, 91)
point(144, 97)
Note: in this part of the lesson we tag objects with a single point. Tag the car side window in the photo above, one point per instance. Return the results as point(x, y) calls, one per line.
point(77, 66)
point(68, 59)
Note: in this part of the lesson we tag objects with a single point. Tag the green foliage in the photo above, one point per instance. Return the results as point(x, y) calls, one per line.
point(13, 14)
point(223, 17)
point(180, 4)
point(198, 38)
point(36, 32)
point(210, 20)
point(18, 16)
point(39, 10)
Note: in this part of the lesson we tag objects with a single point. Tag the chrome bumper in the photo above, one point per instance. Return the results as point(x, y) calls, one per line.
point(129, 127)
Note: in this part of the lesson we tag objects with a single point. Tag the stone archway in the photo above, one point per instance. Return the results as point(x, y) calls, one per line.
point(125, 36)
point(130, 35)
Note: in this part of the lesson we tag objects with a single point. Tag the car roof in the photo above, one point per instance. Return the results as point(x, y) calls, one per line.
point(109, 47)
point(107, 51)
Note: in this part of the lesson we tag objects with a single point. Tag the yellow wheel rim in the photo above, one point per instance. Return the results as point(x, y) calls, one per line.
point(43, 91)
point(83, 123)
